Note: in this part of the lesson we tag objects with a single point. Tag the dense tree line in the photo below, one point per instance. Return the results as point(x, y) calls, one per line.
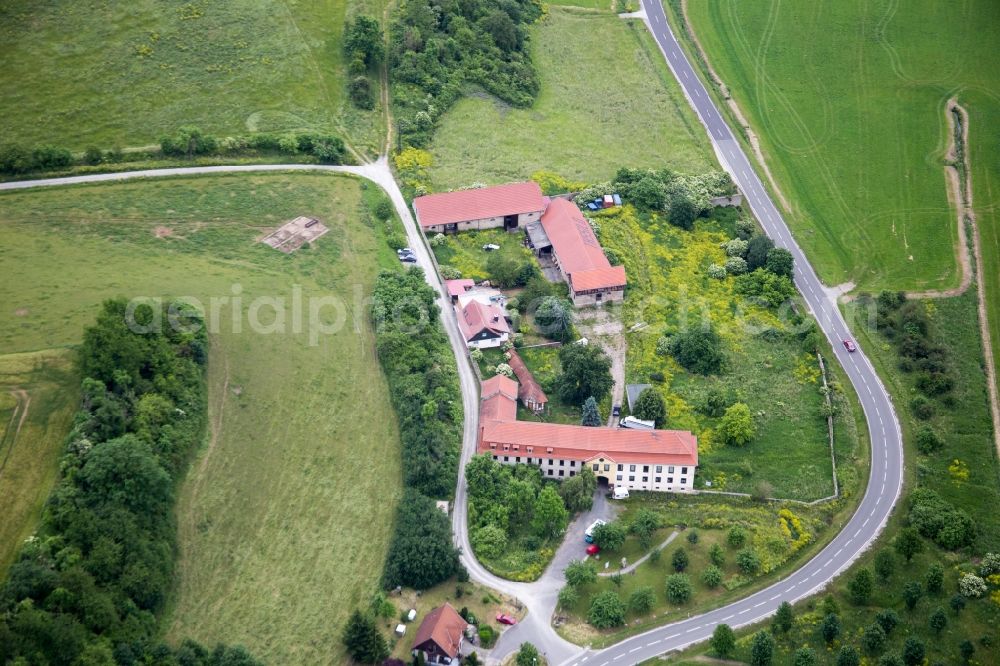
point(419, 367)
point(437, 47)
point(86, 589)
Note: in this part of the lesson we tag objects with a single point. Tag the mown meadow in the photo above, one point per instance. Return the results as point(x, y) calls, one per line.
point(106, 74)
point(606, 98)
point(272, 550)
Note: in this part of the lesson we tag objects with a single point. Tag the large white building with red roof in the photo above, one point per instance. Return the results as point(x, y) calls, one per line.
point(657, 460)
point(509, 206)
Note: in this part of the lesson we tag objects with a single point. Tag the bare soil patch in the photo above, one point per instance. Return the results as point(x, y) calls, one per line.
point(294, 234)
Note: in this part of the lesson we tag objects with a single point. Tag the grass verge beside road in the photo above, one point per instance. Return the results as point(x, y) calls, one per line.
point(276, 547)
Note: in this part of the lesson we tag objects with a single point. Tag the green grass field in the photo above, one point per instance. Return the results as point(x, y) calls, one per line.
point(607, 99)
point(854, 127)
point(285, 514)
point(38, 396)
point(112, 74)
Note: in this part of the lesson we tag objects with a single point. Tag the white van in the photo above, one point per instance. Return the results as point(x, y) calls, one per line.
point(620, 493)
point(588, 536)
point(633, 423)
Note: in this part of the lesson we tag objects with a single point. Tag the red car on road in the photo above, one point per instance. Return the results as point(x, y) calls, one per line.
point(850, 346)
point(503, 618)
point(593, 549)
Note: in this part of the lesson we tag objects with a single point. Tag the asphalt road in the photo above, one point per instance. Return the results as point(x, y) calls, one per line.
point(885, 481)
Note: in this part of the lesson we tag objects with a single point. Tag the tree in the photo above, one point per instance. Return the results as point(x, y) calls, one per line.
point(644, 525)
point(554, 319)
point(606, 611)
point(698, 349)
point(364, 36)
point(873, 638)
point(586, 371)
point(580, 573)
point(648, 193)
point(527, 655)
point(568, 596)
point(679, 560)
point(737, 426)
point(489, 541)
point(678, 587)
point(360, 90)
point(763, 287)
point(966, 649)
point(804, 656)
point(188, 141)
point(784, 618)
point(93, 155)
point(848, 656)
point(885, 564)
point(736, 536)
point(692, 537)
point(908, 543)
point(972, 586)
point(748, 561)
point(957, 603)
point(363, 640)
point(723, 641)
point(642, 599)
point(651, 407)
point(591, 416)
point(577, 492)
point(934, 579)
point(862, 586)
point(550, 515)
point(938, 620)
point(829, 628)
point(681, 211)
point(711, 576)
point(888, 619)
point(758, 250)
point(610, 536)
point(761, 649)
point(912, 592)
point(891, 659)
point(928, 441)
point(716, 555)
point(421, 553)
point(499, 25)
point(913, 651)
point(779, 261)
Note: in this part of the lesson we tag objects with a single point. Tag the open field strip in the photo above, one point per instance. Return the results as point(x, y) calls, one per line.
point(856, 135)
point(253, 66)
point(285, 515)
point(38, 396)
point(606, 100)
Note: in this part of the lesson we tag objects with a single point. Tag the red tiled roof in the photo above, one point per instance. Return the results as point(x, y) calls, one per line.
point(670, 447)
point(528, 390)
point(577, 248)
point(475, 317)
point(443, 626)
point(499, 399)
point(465, 205)
point(599, 278)
point(458, 287)
point(499, 384)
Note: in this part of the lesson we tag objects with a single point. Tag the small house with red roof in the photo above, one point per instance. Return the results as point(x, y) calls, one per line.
point(441, 636)
point(458, 287)
point(529, 391)
point(483, 325)
point(509, 206)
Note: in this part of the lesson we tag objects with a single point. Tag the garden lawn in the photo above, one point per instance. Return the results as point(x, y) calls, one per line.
point(464, 252)
point(275, 546)
point(766, 368)
point(38, 397)
point(122, 74)
point(711, 517)
point(607, 99)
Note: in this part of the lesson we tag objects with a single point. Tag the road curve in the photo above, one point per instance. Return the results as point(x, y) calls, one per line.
point(885, 480)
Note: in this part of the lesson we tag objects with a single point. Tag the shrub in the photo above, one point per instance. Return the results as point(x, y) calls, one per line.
point(610, 536)
point(50, 157)
point(761, 649)
point(187, 142)
point(937, 620)
point(680, 560)
point(928, 441)
point(723, 641)
point(757, 251)
point(921, 407)
point(678, 588)
point(957, 603)
point(580, 573)
point(848, 656)
point(913, 651)
point(651, 407)
point(780, 262)
point(861, 586)
point(804, 656)
point(873, 639)
point(642, 599)
point(698, 349)
point(716, 271)
point(829, 628)
point(885, 564)
point(735, 266)
point(972, 586)
point(606, 611)
point(736, 247)
point(489, 541)
point(692, 537)
point(912, 592)
point(938, 520)
point(934, 579)
point(748, 561)
point(989, 565)
point(765, 288)
point(712, 576)
point(888, 619)
point(716, 555)
point(568, 596)
point(736, 536)
point(737, 426)
point(92, 155)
